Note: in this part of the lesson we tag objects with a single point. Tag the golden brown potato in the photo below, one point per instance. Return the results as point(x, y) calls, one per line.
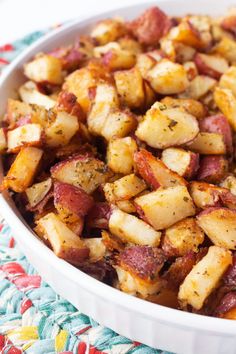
point(165, 207)
point(191, 106)
point(144, 63)
point(109, 30)
point(230, 183)
point(22, 171)
point(118, 124)
point(228, 79)
point(38, 191)
point(26, 135)
point(205, 195)
point(97, 248)
point(3, 140)
point(208, 144)
point(30, 94)
point(211, 65)
point(117, 59)
point(199, 87)
point(120, 154)
point(226, 102)
point(226, 47)
point(164, 127)
point(204, 277)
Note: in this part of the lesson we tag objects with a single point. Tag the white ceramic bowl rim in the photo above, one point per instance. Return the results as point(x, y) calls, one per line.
point(147, 309)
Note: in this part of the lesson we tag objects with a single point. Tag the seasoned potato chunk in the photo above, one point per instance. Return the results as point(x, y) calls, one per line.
point(155, 172)
point(187, 34)
point(199, 87)
point(3, 140)
point(228, 79)
point(117, 59)
point(22, 171)
point(165, 207)
point(131, 229)
point(38, 191)
point(182, 237)
point(208, 144)
point(162, 128)
point(230, 183)
point(82, 171)
point(64, 242)
point(125, 81)
point(226, 47)
point(30, 94)
point(220, 226)
point(185, 163)
point(204, 277)
point(120, 154)
point(213, 168)
point(26, 135)
point(226, 102)
point(108, 30)
point(118, 124)
point(211, 65)
point(97, 249)
point(191, 106)
point(205, 195)
point(168, 78)
point(45, 68)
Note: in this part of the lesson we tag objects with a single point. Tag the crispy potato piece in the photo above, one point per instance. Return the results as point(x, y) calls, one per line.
point(67, 102)
point(199, 87)
point(211, 65)
point(187, 34)
point(22, 171)
point(191, 106)
point(82, 171)
point(125, 81)
point(38, 191)
point(226, 102)
point(168, 78)
point(226, 47)
point(185, 163)
point(213, 168)
point(26, 135)
point(182, 237)
point(65, 243)
point(126, 205)
point(30, 94)
point(120, 154)
point(227, 80)
point(184, 53)
point(71, 202)
point(118, 124)
point(230, 183)
point(150, 95)
point(16, 110)
point(204, 277)
point(162, 128)
point(3, 140)
point(131, 229)
point(208, 144)
point(97, 248)
point(144, 63)
point(205, 195)
point(61, 131)
point(44, 68)
point(138, 268)
point(220, 226)
point(155, 172)
point(218, 124)
point(165, 207)
point(124, 188)
point(150, 26)
point(111, 242)
point(191, 69)
point(118, 59)
point(108, 30)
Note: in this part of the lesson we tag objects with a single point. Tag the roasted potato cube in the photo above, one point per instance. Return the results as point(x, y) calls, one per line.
point(150, 26)
point(211, 65)
point(165, 207)
point(187, 34)
point(168, 78)
point(67, 102)
point(144, 63)
point(227, 80)
point(118, 124)
point(163, 127)
point(184, 53)
point(83, 171)
point(16, 110)
point(219, 224)
point(138, 268)
point(130, 229)
point(26, 135)
point(44, 68)
point(191, 70)
point(126, 205)
point(191, 106)
point(22, 171)
point(120, 154)
point(30, 94)
point(38, 191)
point(182, 237)
point(111, 242)
point(226, 102)
point(97, 248)
point(204, 277)
point(124, 188)
point(155, 172)
point(71, 202)
point(109, 30)
point(3, 140)
point(185, 163)
point(199, 87)
point(60, 131)
point(208, 144)
point(226, 47)
point(218, 124)
point(230, 183)
point(118, 59)
point(65, 243)
point(125, 81)
point(213, 168)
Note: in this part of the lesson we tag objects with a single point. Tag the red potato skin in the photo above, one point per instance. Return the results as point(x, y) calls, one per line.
point(226, 304)
point(71, 58)
point(204, 69)
point(229, 24)
point(218, 124)
point(78, 157)
point(74, 199)
point(150, 26)
point(74, 256)
point(68, 102)
point(23, 120)
point(98, 216)
point(213, 168)
point(193, 166)
point(229, 278)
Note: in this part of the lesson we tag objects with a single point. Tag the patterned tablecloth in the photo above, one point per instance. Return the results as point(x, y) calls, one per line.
point(33, 318)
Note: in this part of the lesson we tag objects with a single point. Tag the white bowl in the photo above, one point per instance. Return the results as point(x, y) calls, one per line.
point(154, 325)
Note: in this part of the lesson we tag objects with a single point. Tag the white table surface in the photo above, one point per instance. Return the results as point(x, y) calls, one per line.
point(19, 17)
